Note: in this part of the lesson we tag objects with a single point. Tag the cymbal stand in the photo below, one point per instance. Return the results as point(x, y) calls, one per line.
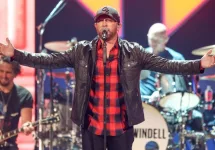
point(182, 132)
point(67, 80)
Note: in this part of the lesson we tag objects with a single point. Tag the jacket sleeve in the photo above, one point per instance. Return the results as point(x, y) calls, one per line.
point(46, 61)
point(152, 62)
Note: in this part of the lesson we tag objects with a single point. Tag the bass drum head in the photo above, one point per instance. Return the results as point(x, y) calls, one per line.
point(152, 134)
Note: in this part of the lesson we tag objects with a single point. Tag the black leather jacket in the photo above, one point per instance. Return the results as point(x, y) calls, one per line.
point(132, 57)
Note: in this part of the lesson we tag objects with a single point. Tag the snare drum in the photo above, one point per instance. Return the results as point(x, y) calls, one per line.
point(177, 92)
point(153, 133)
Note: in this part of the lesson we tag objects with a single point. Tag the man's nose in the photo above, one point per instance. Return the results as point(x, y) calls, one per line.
point(104, 22)
point(4, 74)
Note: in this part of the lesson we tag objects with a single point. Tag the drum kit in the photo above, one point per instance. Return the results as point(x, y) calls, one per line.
point(175, 114)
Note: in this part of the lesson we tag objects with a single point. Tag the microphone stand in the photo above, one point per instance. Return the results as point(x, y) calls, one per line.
point(105, 101)
point(104, 37)
point(41, 73)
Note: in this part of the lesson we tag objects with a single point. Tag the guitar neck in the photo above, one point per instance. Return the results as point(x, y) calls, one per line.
point(47, 120)
point(13, 133)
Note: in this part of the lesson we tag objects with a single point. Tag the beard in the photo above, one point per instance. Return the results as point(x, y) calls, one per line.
point(4, 82)
point(110, 34)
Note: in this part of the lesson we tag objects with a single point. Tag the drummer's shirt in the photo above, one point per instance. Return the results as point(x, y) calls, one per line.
point(116, 118)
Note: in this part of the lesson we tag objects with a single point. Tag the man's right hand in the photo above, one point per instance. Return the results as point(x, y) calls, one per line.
point(6, 50)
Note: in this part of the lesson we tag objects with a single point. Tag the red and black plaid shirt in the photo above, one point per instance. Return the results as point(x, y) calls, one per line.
point(115, 109)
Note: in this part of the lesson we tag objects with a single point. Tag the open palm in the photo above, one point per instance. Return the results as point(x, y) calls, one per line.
point(6, 50)
point(208, 60)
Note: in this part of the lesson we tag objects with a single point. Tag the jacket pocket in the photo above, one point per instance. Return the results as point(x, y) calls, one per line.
point(130, 70)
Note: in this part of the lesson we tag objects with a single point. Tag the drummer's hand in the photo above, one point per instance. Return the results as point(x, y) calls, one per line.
point(6, 50)
point(208, 60)
point(28, 128)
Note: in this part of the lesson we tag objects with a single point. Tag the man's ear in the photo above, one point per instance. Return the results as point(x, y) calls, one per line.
point(167, 39)
point(119, 25)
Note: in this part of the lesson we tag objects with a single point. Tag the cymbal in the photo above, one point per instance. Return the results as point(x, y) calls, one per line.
point(62, 75)
point(203, 50)
point(58, 46)
point(209, 77)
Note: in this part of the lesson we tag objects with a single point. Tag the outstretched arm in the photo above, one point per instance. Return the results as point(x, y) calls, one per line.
point(159, 64)
point(39, 60)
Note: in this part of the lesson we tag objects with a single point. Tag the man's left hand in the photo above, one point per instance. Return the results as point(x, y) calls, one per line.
point(208, 60)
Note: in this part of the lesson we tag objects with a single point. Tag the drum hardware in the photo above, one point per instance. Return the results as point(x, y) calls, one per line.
point(171, 116)
point(182, 130)
point(199, 137)
point(182, 118)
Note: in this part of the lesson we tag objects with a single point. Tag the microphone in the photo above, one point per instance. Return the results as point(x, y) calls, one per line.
point(73, 41)
point(104, 35)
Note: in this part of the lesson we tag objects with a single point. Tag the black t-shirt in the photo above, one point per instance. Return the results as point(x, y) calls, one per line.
point(15, 100)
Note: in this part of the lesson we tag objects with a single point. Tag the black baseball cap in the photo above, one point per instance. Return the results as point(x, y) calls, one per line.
point(109, 11)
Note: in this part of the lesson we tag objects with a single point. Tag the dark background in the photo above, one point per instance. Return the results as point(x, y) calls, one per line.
point(139, 15)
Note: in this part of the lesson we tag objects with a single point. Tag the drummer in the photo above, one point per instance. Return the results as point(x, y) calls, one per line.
point(157, 40)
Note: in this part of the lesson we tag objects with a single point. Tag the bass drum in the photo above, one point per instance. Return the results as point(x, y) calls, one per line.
point(152, 134)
